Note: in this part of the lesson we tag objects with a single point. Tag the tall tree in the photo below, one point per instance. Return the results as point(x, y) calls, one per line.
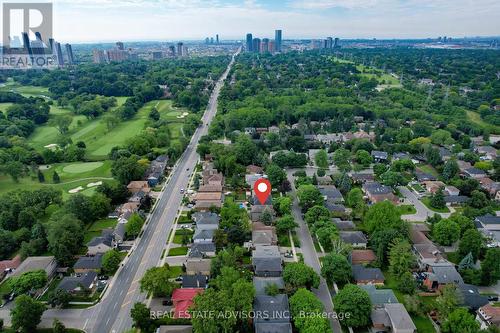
point(356, 301)
point(336, 268)
point(26, 314)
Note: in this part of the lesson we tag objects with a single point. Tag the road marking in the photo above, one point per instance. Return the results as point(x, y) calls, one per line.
point(124, 305)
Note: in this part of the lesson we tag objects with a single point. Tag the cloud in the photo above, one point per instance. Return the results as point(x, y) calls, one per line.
point(327, 4)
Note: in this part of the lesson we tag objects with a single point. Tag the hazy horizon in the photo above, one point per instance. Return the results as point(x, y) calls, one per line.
point(99, 21)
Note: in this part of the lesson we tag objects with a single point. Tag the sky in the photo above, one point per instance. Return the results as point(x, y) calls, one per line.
point(136, 20)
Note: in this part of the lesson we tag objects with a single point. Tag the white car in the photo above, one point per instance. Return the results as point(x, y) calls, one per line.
point(182, 191)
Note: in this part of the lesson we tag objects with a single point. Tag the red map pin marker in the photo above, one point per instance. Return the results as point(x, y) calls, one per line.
point(262, 189)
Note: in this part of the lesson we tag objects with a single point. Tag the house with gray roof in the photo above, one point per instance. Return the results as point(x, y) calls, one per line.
point(202, 250)
point(379, 297)
point(357, 239)
point(277, 318)
point(474, 173)
point(206, 220)
point(203, 236)
point(101, 244)
point(194, 281)
point(366, 275)
point(331, 193)
point(393, 318)
point(267, 267)
point(343, 225)
point(78, 284)
point(89, 263)
point(379, 156)
point(489, 222)
point(439, 276)
point(471, 297)
point(46, 263)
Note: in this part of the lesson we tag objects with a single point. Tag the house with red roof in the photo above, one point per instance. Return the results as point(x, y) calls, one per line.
point(182, 300)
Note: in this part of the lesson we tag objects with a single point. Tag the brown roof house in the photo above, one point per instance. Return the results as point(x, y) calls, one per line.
point(205, 200)
point(488, 315)
point(257, 212)
point(197, 266)
point(138, 185)
point(362, 257)
point(376, 192)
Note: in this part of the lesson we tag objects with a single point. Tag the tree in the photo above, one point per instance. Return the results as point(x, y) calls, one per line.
point(41, 177)
point(154, 114)
point(142, 318)
point(336, 268)
point(382, 215)
point(276, 175)
point(126, 169)
point(363, 157)
point(299, 275)
point(245, 150)
point(134, 225)
point(58, 327)
point(282, 205)
point(316, 213)
point(445, 232)
point(61, 123)
point(327, 233)
point(309, 196)
point(55, 178)
point(306, 309)
point(392, 178)
point(156, 282)
point(490, 267)
point(478, 199)
point(448, 300)
point(111, 261)
point(356, 201)
point(401, 258)
point(14, 169)
point(272, 289)
point(450, 170)
point(472, 241)
point(341, 159)
point(65, 237)
point(356, 301)
point(28, 281)
point(321, 159)
point(343, 182)
point(437, 199)
point(26, 314)
point(285, 224)
point(8, 243)
point(460, 321)
point(266, 217)
point(59, 297)
point(406, 283)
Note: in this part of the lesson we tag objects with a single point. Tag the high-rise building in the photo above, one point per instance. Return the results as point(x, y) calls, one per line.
point(117, 55)
point(278, 40)
point(336, 43)
point(256, 45)
point(99, 56)
point(120, 46)
point(180, 49)
point(51, 45)
point(207, 40)
point(69, 53)
point(249, 42)
point(171, 49)
point(264, 46)
point(157, 55)
point(211, 40)
point(217, 39)
point(329, 43)
point(26, 43)
point(272, 46)
point(59, 54)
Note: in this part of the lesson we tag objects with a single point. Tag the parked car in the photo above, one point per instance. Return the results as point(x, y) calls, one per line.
point(493, 298)
point(167, 302)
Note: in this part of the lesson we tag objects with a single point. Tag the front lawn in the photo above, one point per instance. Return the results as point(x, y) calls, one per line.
point(175, 271)
point(178, 251)
point(427, 202)
point(406, 209)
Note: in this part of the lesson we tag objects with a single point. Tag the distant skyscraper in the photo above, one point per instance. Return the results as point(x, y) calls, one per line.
point(69, 53)
point(277, 38)
point(117, 55)
point(157, 55)
point(249, 42)
point(51, 45)
point(172, 50)
point(272, 46)
point(336, 43)
point(59, 54)
point(180, 49)
point(329, 43)
point(99, 56)
point(207, 40)
point(211, 40)
point(264, 46)
point(217, 39)
point(26, 43)
point(256, 45)
point(38, 35)
point(120, 46)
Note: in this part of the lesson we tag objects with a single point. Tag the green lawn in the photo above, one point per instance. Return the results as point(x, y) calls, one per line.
point(175, 271)
point(90, 172)
point(178, 251)
point(453, 257)
point(95, 229)
point(427, 202)
point(4, 106)
point(476, 118)
point(180, 233)
point(4, 289)
point(406, 209)
point(428, 169)
point(26, 91)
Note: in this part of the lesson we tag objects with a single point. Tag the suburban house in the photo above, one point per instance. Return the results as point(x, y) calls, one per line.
point(331, 193)
point(380, 156)
point(256, 212)
point(432, 186)
point(355, 238)
point(79, 284)
point(400, 156)
point(379, 297)
point(364, 275)
point(202, 250)
point(138, 186)
point(194, 281)
point(488, 222)
point(445, 153)
point(278, 318)
point(362, 257)
point(488, 153)
point(261, 283)
point(266, 261)
point(343, 225)
point(474, 173)
point(488, 315)
point(7, 266)
point(361, 178)
point(264, 237)
point(88, 264)
point(182, 300)
point(155, 172)
point(376, 192)
point(490, 186)
point(471, 297)
point(455, 200)
point(427, 254)
point(47, 263)
point(439, 276)
point(99, 245)
point(392, 317)
point(423, 176)
point(205, 200)
point(197, 266)
point(254, 169)
point(451, 190)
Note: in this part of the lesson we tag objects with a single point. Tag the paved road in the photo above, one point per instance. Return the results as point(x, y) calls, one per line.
point(112, 314)
point(311, 257)
point(422, 211)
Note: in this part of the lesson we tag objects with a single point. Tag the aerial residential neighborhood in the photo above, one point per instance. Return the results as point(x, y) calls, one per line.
point(250, 166)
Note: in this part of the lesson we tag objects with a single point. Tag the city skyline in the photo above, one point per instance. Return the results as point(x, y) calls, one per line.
point(80, 22)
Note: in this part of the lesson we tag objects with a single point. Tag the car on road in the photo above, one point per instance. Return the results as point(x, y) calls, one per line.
point(182, 191)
